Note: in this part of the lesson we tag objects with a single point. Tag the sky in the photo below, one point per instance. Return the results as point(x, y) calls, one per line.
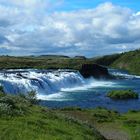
point(69, 27)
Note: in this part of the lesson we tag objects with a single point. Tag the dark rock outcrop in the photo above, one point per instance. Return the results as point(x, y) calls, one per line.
point(94, 70)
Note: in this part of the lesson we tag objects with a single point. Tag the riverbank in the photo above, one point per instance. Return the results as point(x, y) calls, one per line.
point(21, 119)
point(26, 120)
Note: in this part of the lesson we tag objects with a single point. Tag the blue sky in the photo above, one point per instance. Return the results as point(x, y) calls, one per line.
point(69, 27)
point(85, 4)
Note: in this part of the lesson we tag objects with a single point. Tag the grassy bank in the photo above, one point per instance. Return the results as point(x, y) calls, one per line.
point(110, 124)
point(129, 61)
point(21, 119)
point(43, 124)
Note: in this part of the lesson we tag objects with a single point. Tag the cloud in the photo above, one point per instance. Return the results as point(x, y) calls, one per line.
point(30, 27)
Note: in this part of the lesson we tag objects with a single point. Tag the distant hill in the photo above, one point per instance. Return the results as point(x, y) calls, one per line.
point(54, 56)
point(129, 61)
point(80, 57)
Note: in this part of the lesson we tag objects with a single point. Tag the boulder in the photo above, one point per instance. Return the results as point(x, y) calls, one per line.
point(97, 71)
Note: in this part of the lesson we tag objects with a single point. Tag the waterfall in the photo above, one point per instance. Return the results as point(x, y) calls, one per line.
point(43, 82)
point(122, 74)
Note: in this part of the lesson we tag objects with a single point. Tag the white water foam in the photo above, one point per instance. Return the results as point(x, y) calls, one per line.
point(89, 84)
point(49, 85)
point(124, 75)
point(42, 82)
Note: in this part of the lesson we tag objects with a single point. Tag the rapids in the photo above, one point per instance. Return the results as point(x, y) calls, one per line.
point(61, 88)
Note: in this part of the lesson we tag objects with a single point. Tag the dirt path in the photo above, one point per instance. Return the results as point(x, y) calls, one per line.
point(112, 133)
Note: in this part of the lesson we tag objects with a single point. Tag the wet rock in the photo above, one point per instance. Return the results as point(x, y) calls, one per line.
point(97, 71)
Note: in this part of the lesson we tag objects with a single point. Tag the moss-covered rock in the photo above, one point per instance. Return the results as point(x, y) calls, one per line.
point(122, 94)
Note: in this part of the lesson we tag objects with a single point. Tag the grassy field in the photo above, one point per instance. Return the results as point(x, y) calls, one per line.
point(110, 124)
point(128, 61)
point(43, 124)
point(42, 62)
point(22, 119)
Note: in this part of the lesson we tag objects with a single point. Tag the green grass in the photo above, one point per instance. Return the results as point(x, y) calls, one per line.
point(129, 61)
point(7, 62)
point(29, 121)
point(122, 94)
point(110, 124)
point(20, 119)
point(106, 60)
point(42, 124)
point(132, 123)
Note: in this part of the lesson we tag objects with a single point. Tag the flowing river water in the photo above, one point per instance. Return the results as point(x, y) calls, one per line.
point(63, 88)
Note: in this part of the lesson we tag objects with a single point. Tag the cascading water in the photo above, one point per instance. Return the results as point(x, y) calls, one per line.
point(43, 82)
point(122, 74)
point(61, 88)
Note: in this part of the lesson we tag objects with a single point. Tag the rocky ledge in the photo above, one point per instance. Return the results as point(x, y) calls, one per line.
point(94, 70)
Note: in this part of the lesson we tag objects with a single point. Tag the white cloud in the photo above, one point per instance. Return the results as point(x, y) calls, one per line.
point(29, 27)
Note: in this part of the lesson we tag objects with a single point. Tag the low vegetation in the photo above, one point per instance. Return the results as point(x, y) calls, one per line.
point(107, 60)
point(42, 62)
point(16, 105)
point(122, 94)
point(22, 119)
point(111, 124)
point(127, 61)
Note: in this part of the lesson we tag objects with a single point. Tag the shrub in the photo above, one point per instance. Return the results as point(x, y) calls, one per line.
point(122, 94)
point(7, 100)
point(31, 96)
point(5, 109)
point(13, 105)
point(71, 109)
point(2, 93)
point(22, 95)
point(132, 122)
point(1, 89)
point(16, 105)
point(133, 111)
